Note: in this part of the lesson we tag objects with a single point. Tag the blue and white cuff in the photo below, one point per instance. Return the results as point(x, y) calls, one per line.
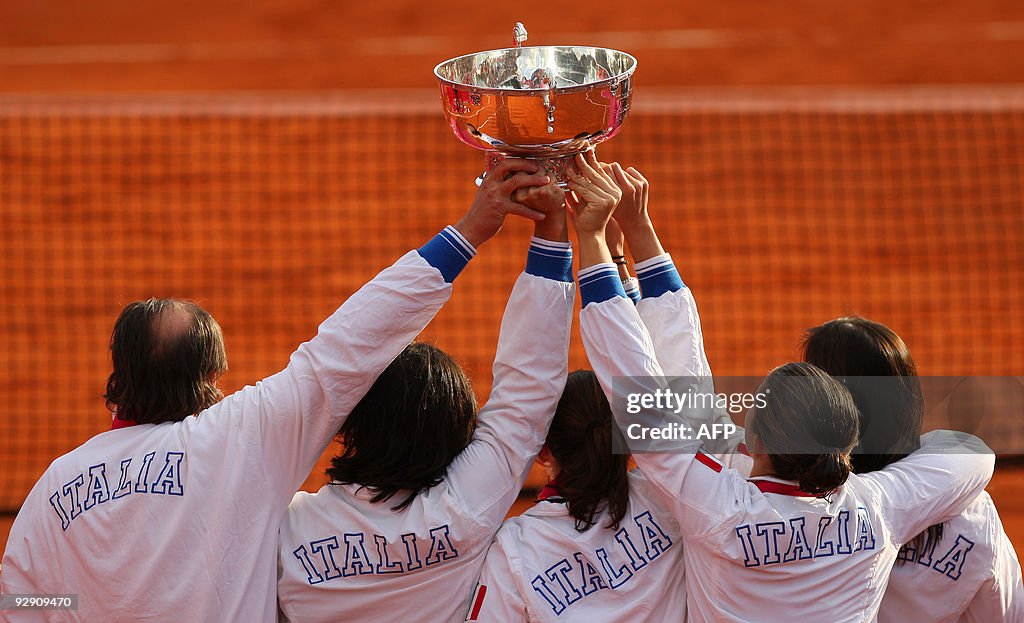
point(550, 259)
point(658, 275)
point(600, 282)
point(632, 288)
point(448, 252)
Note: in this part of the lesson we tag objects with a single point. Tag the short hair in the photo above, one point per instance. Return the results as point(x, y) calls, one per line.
point(168, 355)
point(416, 418)
point(591, 477)
point(808, 424)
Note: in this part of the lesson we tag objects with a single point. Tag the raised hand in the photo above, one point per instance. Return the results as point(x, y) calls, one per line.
point(493, 201)
point(594, 197)
point(632, 215)
point(632, 211)
point(594, 194)
point(550, 200)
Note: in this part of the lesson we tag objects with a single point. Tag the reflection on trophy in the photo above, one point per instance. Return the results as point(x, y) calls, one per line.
point(543, 103)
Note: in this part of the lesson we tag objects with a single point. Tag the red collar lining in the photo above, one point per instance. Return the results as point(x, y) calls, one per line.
point(782, 488)
point(119, 423)
point(550, 492)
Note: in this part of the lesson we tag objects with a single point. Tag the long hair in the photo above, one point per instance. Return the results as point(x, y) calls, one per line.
point(417, 417)
point(591, 477)
point(167, 355)
point(880, 372)
point(808, 425)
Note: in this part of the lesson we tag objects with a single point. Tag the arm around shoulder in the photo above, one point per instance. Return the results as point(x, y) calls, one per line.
point(935, 483)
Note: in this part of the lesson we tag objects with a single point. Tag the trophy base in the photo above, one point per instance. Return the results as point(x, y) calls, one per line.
point(557, 168)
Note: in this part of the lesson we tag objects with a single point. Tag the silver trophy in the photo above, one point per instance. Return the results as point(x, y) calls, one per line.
point(546, 103)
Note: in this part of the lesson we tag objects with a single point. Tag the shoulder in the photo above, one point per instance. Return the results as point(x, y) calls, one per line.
point(982, 521)
point(516, 539)
point(306, 505)
point(305, 498)
point(538, 527)
point(868, 485)
point(983, 508)
point(986, 505)
point(535, 517)
point(512, 529)
point(642, 493)
point(96, 449)
point(312, 515)
point(979, 521)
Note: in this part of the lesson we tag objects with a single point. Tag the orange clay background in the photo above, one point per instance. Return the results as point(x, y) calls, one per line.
point(266, 157)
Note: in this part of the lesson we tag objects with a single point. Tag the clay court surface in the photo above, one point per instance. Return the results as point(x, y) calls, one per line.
point(266, 158)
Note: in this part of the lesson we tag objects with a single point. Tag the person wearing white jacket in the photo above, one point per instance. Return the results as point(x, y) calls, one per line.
point(801, 536)
point(573, 556)
point(424, 482)
point(558, 560)
point(173, 516)
point(962, 570)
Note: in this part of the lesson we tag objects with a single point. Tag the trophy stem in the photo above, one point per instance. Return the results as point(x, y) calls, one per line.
point(557, 168)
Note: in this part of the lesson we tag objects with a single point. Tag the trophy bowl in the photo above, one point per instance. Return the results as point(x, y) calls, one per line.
point(543, 103)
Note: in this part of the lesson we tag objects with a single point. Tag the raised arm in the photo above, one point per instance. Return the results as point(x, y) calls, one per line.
point(623, 358)
point(668, 308)
point(617, 247)
point(292, 415)
point(530, 368)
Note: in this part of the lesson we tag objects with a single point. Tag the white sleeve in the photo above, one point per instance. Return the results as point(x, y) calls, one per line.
point(497, 598)
point(292, 415)
point(700, 492)
point(675, 329)
point(674, 326)
point(530, 368)
point(935, 483)
point(1001, 597)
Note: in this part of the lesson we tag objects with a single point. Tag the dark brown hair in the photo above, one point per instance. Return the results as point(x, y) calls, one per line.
point(168, 355)
point(591, 477)
point(865, 354)
point(417, 417)
point(808, 425)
